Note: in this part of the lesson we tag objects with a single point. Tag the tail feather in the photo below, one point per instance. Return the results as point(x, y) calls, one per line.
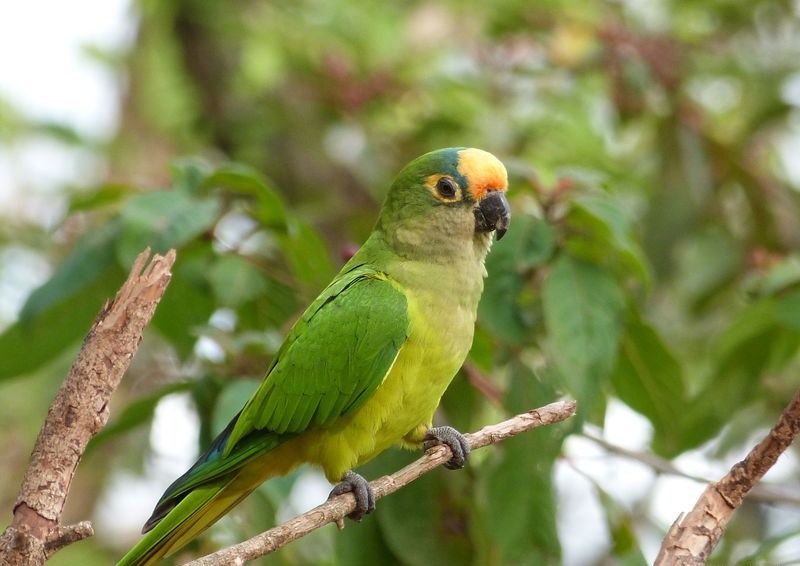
point(196, 512)
point(216, 483)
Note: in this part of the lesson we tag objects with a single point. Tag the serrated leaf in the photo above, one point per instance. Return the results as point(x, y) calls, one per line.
point(163, 220)
point(583, 308)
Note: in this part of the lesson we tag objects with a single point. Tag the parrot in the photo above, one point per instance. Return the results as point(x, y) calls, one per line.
point(365, 366)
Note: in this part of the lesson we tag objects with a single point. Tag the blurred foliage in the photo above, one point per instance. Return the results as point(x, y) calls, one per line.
point(652, 258)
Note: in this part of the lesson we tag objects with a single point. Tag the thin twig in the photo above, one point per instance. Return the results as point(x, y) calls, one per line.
point(78, 412)
point(771, 494)
point(693, 536)
point(335, 509)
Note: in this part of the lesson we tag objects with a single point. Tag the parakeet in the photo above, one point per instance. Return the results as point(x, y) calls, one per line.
point(366, 365)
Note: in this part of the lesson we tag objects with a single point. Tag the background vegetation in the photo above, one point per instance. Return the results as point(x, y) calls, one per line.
point(651, 264)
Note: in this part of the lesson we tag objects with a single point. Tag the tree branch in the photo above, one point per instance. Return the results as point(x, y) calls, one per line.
point(693, 537)
point(78, 412)
point(334, 510)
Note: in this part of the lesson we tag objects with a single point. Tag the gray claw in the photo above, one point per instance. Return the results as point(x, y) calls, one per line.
point(356, 484)
point(454, 440)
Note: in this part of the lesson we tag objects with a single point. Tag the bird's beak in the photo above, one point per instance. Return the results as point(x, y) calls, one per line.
point(493, 213)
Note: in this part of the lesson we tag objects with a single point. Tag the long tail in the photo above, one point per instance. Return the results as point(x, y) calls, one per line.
point(194, 514)
point(215, 484)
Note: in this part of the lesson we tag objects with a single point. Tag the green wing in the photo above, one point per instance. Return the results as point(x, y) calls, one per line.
point(333, 359)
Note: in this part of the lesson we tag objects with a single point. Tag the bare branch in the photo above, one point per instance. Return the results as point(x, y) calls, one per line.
point(334, 510)
point(78, 412)
point(693, 537)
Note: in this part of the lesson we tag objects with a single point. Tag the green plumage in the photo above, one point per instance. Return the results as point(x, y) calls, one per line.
point(367, 363)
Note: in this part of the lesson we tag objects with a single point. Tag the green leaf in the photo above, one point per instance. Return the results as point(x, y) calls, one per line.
point(271, 309)
point(28, 345)
point(235, 280)
point(362, 544)
point(708, 263)
point(765, 551)
point(105, 195)
point(426, 522)
point(784, 274)
point(307, 255)
point(788, 310)
point(758, 341)
point(605, 235)
point(231, 400)
point(752, 322)
point(163, 220)
point(90, 260)
point(529, 243)
point(507, 307)
point(240, 179)
point(583, 308)
point(649, 379)
point(516, 488)
point(189, 174)
point(60, 312)
point(188, 301)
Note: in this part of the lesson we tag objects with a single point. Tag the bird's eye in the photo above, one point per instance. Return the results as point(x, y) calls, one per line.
point(446, 187)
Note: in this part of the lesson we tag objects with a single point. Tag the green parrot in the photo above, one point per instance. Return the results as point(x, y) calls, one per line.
point(366, 365)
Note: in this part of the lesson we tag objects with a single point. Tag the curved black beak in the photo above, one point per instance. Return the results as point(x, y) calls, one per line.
point(493, 213)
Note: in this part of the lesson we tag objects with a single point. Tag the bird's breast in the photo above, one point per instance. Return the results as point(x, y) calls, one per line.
point(442, 313)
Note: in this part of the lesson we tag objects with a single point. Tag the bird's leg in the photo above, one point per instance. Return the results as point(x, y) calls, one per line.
point(360, 488)
point(454, 440)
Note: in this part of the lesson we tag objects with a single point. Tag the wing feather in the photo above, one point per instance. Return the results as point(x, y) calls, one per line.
point(333, 359)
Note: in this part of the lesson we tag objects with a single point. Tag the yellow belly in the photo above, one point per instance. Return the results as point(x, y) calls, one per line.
point(402, 407)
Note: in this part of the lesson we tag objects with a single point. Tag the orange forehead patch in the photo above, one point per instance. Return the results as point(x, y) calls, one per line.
point(483, 171)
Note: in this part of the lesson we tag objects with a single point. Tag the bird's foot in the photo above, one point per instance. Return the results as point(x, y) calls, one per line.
point(356, 484)
point(451, 438)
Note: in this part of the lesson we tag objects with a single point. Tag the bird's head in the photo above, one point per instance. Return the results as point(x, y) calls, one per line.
point(446, 200)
